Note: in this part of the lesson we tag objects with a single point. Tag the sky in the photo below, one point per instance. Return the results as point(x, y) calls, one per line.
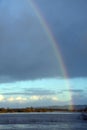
point(43, 52)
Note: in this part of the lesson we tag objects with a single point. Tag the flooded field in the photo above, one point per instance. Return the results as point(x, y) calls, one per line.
point(42, 121)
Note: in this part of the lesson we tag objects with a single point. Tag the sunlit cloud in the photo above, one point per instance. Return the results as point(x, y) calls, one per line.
point(17, 99)
point(21, 99)
point(34, 98)
point(55, 98)
point(38, 98)
point(1, 98)
point(11, 99)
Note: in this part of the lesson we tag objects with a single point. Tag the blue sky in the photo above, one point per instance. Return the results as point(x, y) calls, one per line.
point(43, 92)
point(30, 74)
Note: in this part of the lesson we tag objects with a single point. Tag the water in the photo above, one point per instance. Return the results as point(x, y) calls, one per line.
point(42, 121)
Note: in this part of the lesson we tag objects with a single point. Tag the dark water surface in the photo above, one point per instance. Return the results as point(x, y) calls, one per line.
point(42, 121)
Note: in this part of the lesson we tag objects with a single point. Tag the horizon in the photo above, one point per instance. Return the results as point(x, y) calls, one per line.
point(52, 107)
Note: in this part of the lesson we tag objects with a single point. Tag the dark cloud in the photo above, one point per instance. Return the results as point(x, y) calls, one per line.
point(29, 93)
point(39, 91)
point(43, 92)
point(79, 99)
point(74, 90)
point(68, 22)
point(25, 50)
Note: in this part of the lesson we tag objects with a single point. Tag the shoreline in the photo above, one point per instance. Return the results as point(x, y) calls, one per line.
point(56, 112)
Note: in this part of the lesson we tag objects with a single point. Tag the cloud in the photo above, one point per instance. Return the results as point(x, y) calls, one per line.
point(39, 91)
point(10, 99)
point(35, 98)
point(21, 99)
point(55, 98)
point(38, 100)
point(14, 99)
point(74, 90)
point(39, 97)
point(1, 98)
point(26, 52)
point(69, 27)
point(30, 92)
point(29, 98)
point(79, 98)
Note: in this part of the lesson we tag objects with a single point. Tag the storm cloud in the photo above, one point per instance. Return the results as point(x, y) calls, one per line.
point(68, 21)
point(25, 50)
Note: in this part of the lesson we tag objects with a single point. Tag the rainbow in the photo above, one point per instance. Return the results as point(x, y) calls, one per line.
point(55, 47)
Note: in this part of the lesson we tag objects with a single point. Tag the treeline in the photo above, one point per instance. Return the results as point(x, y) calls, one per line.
point(31, 109)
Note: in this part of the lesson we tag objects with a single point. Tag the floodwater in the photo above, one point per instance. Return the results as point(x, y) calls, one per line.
point(42, 121)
